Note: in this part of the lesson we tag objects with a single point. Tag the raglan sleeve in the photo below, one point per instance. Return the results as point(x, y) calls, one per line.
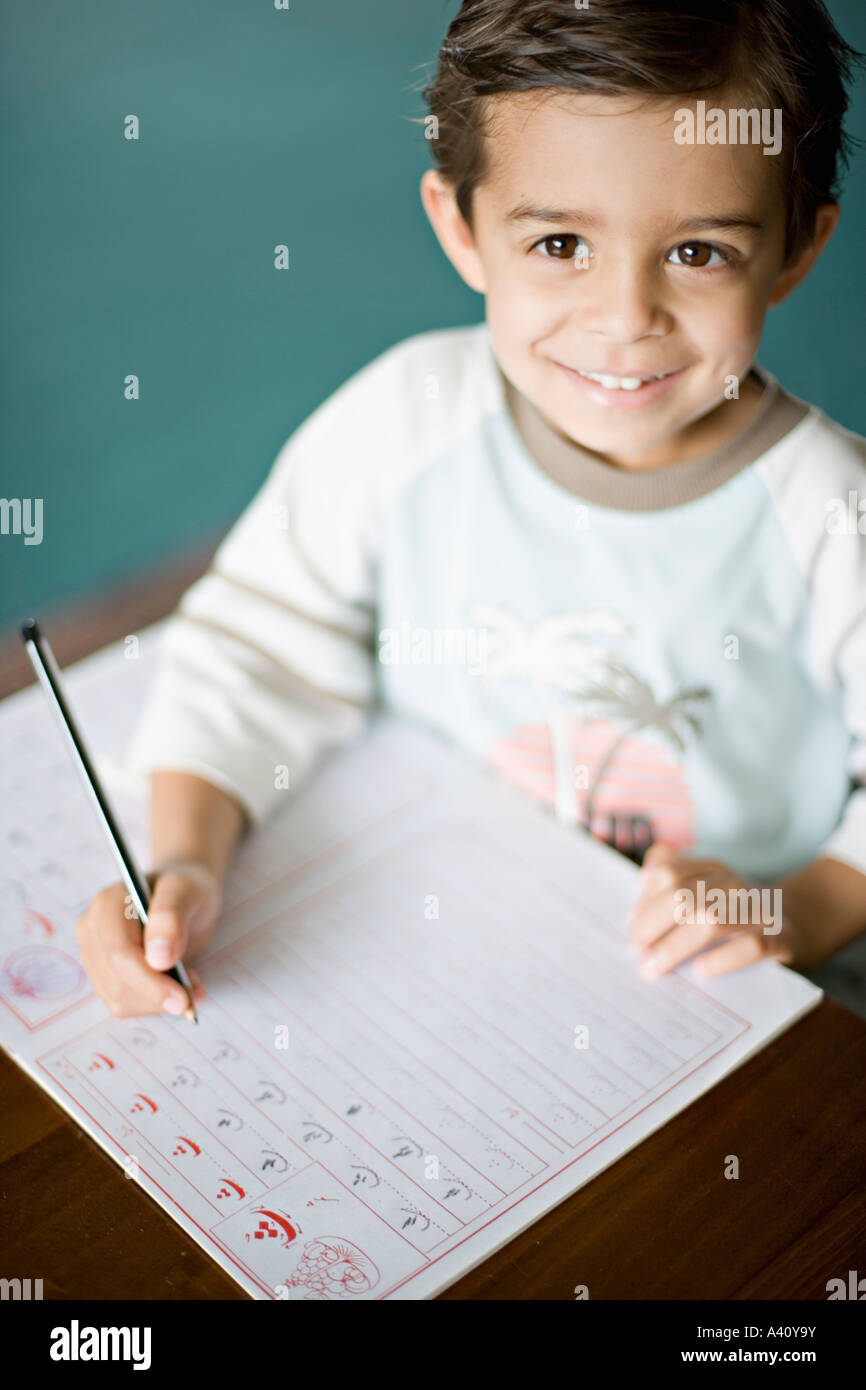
point(848, 841)
point(818, 486)
point(269, 659)
point(836, 567)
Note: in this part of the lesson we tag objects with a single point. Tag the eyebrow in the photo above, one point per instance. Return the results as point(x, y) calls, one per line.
point(524, 212)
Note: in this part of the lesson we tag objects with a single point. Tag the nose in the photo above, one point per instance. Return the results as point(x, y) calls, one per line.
point(621, 300)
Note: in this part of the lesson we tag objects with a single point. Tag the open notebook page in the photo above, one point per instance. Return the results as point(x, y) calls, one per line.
point(424, 1026)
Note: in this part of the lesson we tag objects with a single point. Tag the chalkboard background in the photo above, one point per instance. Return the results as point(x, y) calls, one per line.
point(155, 257)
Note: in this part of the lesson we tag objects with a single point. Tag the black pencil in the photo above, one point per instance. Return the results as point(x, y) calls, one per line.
point(47, 670)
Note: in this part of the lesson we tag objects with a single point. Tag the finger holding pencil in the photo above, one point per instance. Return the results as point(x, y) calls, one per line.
point(127, 971)
point(186, 897)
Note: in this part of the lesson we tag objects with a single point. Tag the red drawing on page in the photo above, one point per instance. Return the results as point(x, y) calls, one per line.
point(21, 916)
point(100, 1062)
point(42, 972)
point(273, 1225)
point(47, 927)
point(141, 1102)
point(185, 1146)
point(226, 1189)
point(330, 1269)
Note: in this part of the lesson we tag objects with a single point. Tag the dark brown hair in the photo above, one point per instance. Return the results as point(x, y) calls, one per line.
point(783, 53)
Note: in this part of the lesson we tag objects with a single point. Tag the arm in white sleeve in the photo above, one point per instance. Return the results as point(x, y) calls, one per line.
point(813, 499)
point(269, 659)
point(848, 840)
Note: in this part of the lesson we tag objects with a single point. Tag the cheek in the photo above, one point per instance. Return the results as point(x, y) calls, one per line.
point(731, 320)
point(518, 314)
point(526, 308)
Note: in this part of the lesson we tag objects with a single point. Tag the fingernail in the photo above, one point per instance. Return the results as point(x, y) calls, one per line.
point(175, 1004)
point(159, 953)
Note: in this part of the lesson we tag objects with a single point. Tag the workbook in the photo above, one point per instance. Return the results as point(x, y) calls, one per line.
point(425, 1026)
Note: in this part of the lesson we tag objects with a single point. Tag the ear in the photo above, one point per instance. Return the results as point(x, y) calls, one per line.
point(454, 234)
point(826, 221)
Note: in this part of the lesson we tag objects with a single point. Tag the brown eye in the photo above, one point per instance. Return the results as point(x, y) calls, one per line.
point(697, 254)
point(561, 246)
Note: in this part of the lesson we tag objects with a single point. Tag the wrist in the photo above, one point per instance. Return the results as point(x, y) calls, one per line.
point(804, 945)
point(824, 903)
point(791, 928)
point(192, 821)
point(190, 866)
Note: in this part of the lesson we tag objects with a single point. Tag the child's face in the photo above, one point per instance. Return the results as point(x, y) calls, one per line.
point(622, 193)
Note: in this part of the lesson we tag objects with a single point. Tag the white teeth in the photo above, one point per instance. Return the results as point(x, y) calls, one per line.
point(620, 383)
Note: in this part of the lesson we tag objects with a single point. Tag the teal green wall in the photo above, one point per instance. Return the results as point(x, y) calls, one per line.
point(155, 257)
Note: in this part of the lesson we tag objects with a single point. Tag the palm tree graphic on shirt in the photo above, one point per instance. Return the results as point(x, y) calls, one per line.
point(570, 669)
point(631, 699)
point(563, 661)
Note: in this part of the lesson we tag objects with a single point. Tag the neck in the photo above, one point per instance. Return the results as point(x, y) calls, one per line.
point(702, 460)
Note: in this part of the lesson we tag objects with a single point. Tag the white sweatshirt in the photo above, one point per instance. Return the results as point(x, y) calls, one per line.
point(680, 653)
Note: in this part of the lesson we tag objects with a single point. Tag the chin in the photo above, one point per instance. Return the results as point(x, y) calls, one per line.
point(607, 438)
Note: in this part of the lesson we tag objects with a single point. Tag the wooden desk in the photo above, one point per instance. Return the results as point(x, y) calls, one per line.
point(662, 1222)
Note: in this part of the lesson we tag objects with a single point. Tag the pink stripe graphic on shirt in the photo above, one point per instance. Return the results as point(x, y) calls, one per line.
point(643, 779)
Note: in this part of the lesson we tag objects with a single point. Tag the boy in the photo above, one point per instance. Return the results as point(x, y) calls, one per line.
point(645, 537)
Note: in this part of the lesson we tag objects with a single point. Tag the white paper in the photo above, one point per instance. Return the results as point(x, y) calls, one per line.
point(387, 1082)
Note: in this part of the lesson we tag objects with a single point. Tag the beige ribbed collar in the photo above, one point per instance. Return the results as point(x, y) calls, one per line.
point(585, 475)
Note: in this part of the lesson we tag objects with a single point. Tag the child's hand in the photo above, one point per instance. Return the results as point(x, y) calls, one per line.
point(676, 916)
point(126, 965)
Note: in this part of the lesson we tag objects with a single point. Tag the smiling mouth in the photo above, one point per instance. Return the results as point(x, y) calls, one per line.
point(622, 383)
